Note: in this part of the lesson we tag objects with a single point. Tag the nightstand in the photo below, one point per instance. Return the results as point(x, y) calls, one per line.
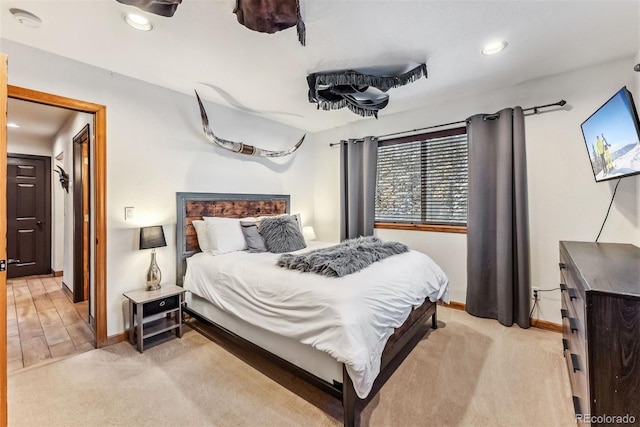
point(152, 313)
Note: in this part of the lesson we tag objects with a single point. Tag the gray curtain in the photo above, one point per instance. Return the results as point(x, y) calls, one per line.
point(358, 162)
point(498, 283)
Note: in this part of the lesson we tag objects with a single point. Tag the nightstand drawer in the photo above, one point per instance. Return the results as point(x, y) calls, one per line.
point(160, 305)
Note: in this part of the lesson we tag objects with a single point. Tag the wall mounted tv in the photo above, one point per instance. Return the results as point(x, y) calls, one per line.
point(612, 136)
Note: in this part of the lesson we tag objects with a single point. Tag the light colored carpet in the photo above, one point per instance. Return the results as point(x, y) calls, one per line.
point(469, 372)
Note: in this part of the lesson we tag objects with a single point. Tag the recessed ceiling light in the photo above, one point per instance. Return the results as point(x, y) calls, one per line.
point(12, 125)
point(27, 19)
point(493, 48)
point(138, 22)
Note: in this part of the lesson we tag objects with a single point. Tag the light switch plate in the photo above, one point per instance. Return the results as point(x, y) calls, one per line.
point(128, 213)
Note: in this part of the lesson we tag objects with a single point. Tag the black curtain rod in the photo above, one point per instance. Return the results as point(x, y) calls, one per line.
point(535, 109)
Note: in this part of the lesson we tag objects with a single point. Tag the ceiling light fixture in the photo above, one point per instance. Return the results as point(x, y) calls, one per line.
point(138, 22)
point(493, 48)
point(27, 19)
point(12, 125)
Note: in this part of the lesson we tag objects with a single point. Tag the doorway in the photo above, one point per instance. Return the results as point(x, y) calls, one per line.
point(28, 215)
point(45, 320)
point(99, 240)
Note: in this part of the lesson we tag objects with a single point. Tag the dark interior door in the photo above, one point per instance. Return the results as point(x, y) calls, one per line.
point(28, 215)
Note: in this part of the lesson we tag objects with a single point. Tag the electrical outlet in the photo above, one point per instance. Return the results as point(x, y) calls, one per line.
point(535, 292)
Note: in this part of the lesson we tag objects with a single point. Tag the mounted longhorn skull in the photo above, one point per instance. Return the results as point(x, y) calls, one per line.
point(240, 147)
point(64, 178)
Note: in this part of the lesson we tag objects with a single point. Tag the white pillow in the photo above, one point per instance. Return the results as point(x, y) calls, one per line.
point(203, 234)
point(225, 235)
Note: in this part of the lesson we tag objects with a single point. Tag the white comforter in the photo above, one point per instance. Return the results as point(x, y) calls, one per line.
point(350, 317)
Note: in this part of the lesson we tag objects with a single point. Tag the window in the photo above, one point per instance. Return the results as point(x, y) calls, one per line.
point(422, 179)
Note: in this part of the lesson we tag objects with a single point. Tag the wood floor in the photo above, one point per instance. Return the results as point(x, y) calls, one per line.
point(43, 323)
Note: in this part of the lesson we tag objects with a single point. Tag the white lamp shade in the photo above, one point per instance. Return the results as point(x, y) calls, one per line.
point(308, 232)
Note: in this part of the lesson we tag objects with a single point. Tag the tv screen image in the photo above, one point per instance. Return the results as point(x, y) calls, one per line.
point(612, 136)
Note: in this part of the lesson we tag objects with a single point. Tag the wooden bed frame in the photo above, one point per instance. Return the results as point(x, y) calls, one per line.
point(193, 206)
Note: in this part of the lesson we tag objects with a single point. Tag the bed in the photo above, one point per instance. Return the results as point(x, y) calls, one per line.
point(235, 293)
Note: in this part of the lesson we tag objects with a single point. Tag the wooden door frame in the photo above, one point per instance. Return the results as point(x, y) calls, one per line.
point(81, 214)
point(48, 201)
point(3, 241)
point(99, 190)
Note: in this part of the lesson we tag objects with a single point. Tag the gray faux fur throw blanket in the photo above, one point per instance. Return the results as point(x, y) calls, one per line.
point(344, 258)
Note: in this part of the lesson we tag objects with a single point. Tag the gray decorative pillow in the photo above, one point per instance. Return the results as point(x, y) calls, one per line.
point(252, 237)
point(282, 234)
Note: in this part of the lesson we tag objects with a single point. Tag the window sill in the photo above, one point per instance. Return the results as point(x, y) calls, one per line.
point(460, 229)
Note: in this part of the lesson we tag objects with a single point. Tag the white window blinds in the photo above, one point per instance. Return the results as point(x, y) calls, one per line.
point(422, 179)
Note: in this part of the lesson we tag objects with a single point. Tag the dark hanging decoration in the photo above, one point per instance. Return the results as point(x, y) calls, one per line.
point(157, 7)
point(64, 178)
point(265, 16)
point(363, 94)
point(270, 16)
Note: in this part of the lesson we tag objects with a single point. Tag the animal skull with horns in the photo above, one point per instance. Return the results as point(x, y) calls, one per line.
point(240, 147)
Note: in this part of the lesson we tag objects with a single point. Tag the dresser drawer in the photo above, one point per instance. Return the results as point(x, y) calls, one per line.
point(574, 316)
point(570, 276)
point(573, 298)
point(160, 305)
point(576, 367)
point(574, 332)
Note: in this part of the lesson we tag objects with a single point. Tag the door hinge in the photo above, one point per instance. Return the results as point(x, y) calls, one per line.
point(3, 265)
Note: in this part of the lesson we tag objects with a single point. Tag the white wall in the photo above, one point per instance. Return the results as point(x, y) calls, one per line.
point(155, 147)
point(565, 203)
point(58, 195)
point(63, 209)
point(31, 146)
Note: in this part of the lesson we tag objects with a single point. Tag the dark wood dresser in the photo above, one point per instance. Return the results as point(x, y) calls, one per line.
point(600, 285)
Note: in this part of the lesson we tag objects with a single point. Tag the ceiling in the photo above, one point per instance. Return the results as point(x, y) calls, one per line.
point(37, 122)
point(203, 47)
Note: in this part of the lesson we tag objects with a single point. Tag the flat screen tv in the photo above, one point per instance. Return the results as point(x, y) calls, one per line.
point(612, 136)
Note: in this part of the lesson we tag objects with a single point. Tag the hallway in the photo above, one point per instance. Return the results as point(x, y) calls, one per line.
point(43, 323)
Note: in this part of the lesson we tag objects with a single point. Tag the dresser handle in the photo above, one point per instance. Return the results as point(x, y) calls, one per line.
point(562, 265)
point(162, 303)
point(565, 344)
point(564, 313)
point(574, 362)
point(571, 291)
point(573, 325)
point(576, 406)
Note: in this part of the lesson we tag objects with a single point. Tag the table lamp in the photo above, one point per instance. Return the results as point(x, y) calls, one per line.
point(151, 238)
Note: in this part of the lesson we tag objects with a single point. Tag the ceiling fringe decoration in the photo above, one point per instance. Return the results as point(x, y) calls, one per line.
point(357, 91)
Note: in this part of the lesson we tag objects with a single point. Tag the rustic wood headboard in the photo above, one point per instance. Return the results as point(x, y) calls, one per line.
point(193, 206)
